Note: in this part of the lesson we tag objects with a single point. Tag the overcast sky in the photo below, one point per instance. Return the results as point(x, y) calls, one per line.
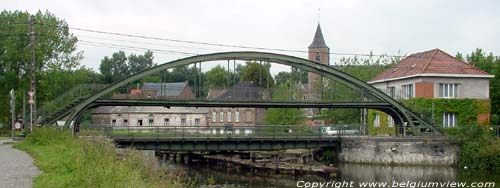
point(349, 26)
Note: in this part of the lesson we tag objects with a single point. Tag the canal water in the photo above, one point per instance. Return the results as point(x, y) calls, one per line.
point(404, 176)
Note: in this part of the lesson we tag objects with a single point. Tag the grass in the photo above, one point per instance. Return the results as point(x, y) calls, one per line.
point(67, 161)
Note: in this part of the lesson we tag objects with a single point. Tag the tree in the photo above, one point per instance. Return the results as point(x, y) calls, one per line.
point(216, 77)
point(138, 63)
point(120, 66)
point(55, 51)
point(258, 73)
point(490, 64)
point(285, 116)
point(282, 78)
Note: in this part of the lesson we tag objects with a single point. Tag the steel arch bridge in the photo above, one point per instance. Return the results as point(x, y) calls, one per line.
point(403, 116)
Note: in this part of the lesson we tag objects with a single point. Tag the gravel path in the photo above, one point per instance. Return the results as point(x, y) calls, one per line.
point(16, 167)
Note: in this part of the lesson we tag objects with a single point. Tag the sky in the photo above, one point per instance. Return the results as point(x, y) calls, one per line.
point(393, 27)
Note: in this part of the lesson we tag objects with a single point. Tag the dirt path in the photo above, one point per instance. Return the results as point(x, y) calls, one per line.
point(16, 167)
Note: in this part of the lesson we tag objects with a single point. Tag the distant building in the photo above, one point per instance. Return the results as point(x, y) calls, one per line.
point(319, 52)
point(243, 91)
point(171, 90)
point(142, 116)
point(439, 79)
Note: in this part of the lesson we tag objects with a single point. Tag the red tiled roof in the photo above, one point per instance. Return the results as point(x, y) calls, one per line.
point(430, 62)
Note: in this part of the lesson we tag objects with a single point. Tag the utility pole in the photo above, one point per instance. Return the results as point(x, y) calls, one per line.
point(32, 92)
point(13, 110)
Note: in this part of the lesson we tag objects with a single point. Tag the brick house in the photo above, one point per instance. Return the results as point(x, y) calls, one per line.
point(246, 117)
point(437, 78)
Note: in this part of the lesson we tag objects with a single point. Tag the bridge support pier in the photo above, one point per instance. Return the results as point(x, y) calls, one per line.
point(276, 159)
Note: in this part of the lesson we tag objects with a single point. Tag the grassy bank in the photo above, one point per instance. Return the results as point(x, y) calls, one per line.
point(68, 161)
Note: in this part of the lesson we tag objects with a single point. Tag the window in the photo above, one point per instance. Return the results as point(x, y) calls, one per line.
point(449, 119)
point(448, 90)
point(407, 91)
point(376, 121)
point(150, 122)
point(183, 122)
point(197, 122)
point(391, 91)
point(113, 122)
point(237, 116)
point(221, 116)
point(139, 122)
point(229, 116)
point(390, 121)
point(317, 57)
point(125, 122)
point(166, 122)
point(214, 117)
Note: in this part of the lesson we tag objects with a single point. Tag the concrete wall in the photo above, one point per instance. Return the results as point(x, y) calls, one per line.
point(401, 151)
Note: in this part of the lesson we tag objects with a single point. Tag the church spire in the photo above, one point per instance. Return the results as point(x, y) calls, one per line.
point(318, 41)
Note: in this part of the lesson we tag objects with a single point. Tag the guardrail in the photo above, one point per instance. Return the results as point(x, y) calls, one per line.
point(184, 132)
point(248, 131)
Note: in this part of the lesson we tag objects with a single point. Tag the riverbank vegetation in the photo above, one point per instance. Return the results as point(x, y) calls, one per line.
point(68, 161)
point(479, 147)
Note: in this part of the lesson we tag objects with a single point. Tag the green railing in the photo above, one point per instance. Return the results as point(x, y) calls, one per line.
point(217, 132)
point(57, 106)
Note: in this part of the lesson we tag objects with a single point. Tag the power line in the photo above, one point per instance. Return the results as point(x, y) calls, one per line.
point(217, 44)
point(138, 48)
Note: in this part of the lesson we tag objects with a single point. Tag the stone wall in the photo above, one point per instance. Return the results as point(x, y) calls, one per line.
point(401, 151)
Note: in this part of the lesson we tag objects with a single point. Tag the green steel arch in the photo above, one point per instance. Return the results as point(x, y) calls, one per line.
point(402, 114)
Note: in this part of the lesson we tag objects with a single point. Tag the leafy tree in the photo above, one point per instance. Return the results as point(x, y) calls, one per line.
point(114, 68)
point(55, 51)
point(257, 73)
point(138, 63)
point(216, 77)
point(285, 116)
point(490, 64)
point(120, 66)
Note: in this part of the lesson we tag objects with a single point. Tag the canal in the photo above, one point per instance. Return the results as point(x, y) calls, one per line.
point(204, 174)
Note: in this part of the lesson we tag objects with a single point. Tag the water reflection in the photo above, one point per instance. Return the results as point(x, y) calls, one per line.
point(225, 177)
point(362, 172)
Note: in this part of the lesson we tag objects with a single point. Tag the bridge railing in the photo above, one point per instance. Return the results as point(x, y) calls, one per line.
point(67, 99)
point(219, 132)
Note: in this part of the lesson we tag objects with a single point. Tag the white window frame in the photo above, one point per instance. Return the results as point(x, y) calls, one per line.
point(408, 91)
point(166, 121)
point(183, 121)
point(237, 116)
point(221, 116)
point(449, 119)
point(448, 90)
point(390, 121)
point(376, 120)
point(229, 116)
point(197, 121)
point(214, 116)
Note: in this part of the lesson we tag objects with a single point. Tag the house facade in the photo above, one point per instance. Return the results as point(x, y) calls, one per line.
point(238, 117)
point(448, 91)
point(149, 116)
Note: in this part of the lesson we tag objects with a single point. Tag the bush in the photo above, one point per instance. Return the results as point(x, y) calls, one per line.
point(480, 149)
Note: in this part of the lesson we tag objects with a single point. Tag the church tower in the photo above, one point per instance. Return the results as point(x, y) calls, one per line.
point(320, 53)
